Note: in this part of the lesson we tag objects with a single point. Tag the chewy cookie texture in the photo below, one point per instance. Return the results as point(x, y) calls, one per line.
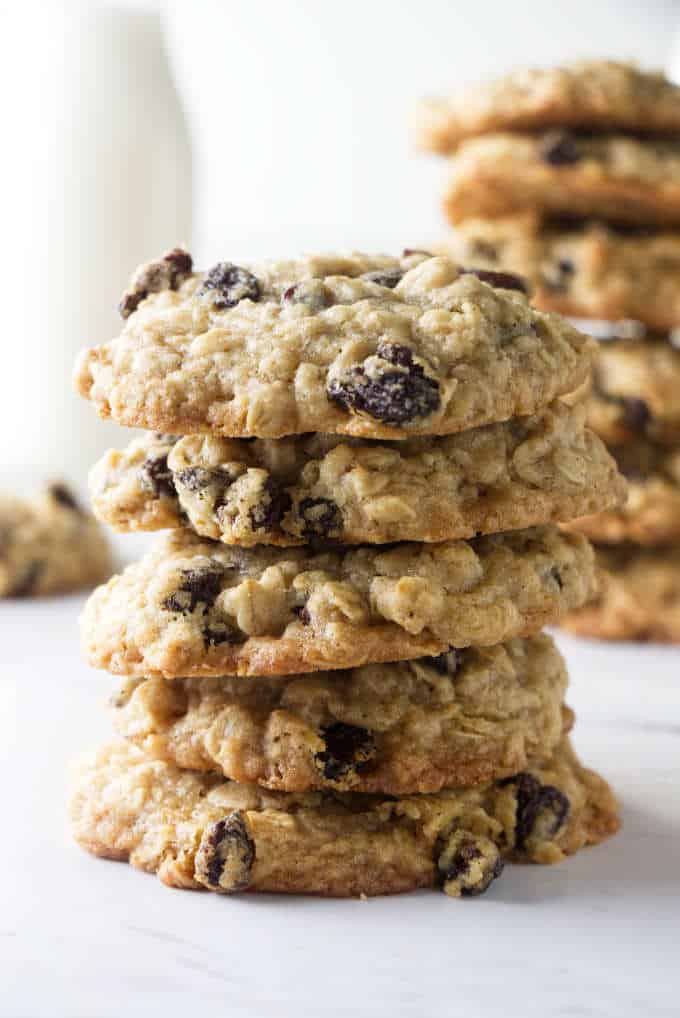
point(374, 347)
point(50, 545)
point(192, 607)
point(462, 718)
point(290, 491)
point(198, 831)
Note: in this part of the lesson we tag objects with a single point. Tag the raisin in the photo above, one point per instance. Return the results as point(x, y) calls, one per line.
point(408, 251)
point(636, 413)
point(383, 277)
point(633, 229)
point(541, 810)
point(447, 663)
point(311, 292)
point(275, 503)
point(395, 353)
point(467, 864)
point(228, 284)
point(26, 583)
point(559, 148)
point(64, 496)
point(631, 472)
point(499, 280)
point(156, 476)
point(628, 464)
point(199, 478)
point(558, 275)
point(348, 748)
point(225, 856)
point(394, 397)
point(198, 586)
point(167, 273)
point(320, 517)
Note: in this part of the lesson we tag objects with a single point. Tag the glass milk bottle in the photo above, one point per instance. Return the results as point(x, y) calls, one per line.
point(98, 179)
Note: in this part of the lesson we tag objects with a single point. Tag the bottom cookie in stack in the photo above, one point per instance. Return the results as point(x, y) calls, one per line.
point(200, 831)
point(375, 780)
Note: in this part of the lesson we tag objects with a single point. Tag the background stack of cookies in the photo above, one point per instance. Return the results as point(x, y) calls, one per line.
point(571, 177)
point(335, 680)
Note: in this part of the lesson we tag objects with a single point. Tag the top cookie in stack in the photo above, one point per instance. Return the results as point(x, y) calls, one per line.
point(374, 347)
point(348, 450)
point(572, 177)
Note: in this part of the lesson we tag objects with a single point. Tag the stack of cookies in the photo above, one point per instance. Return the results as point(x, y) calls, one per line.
point(334, 676)
point(571, 177)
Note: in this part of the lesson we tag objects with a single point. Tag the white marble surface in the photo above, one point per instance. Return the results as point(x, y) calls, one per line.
point(81, 938)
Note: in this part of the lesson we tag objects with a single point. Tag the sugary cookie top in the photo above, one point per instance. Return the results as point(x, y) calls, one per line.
point(598, 94)
point(377, 346)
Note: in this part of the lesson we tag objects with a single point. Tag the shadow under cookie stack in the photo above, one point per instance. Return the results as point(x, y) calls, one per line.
point(334, 676)
point(571, 177)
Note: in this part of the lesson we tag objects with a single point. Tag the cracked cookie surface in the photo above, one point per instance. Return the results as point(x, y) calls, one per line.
point(639, 597)
point(602, 95)
point(587, 270)
point(618, 178)
point(49, 545)
point(198, 831)
point(292, 491)
point(462, 718)
point(193, 607)
point(375, 347)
